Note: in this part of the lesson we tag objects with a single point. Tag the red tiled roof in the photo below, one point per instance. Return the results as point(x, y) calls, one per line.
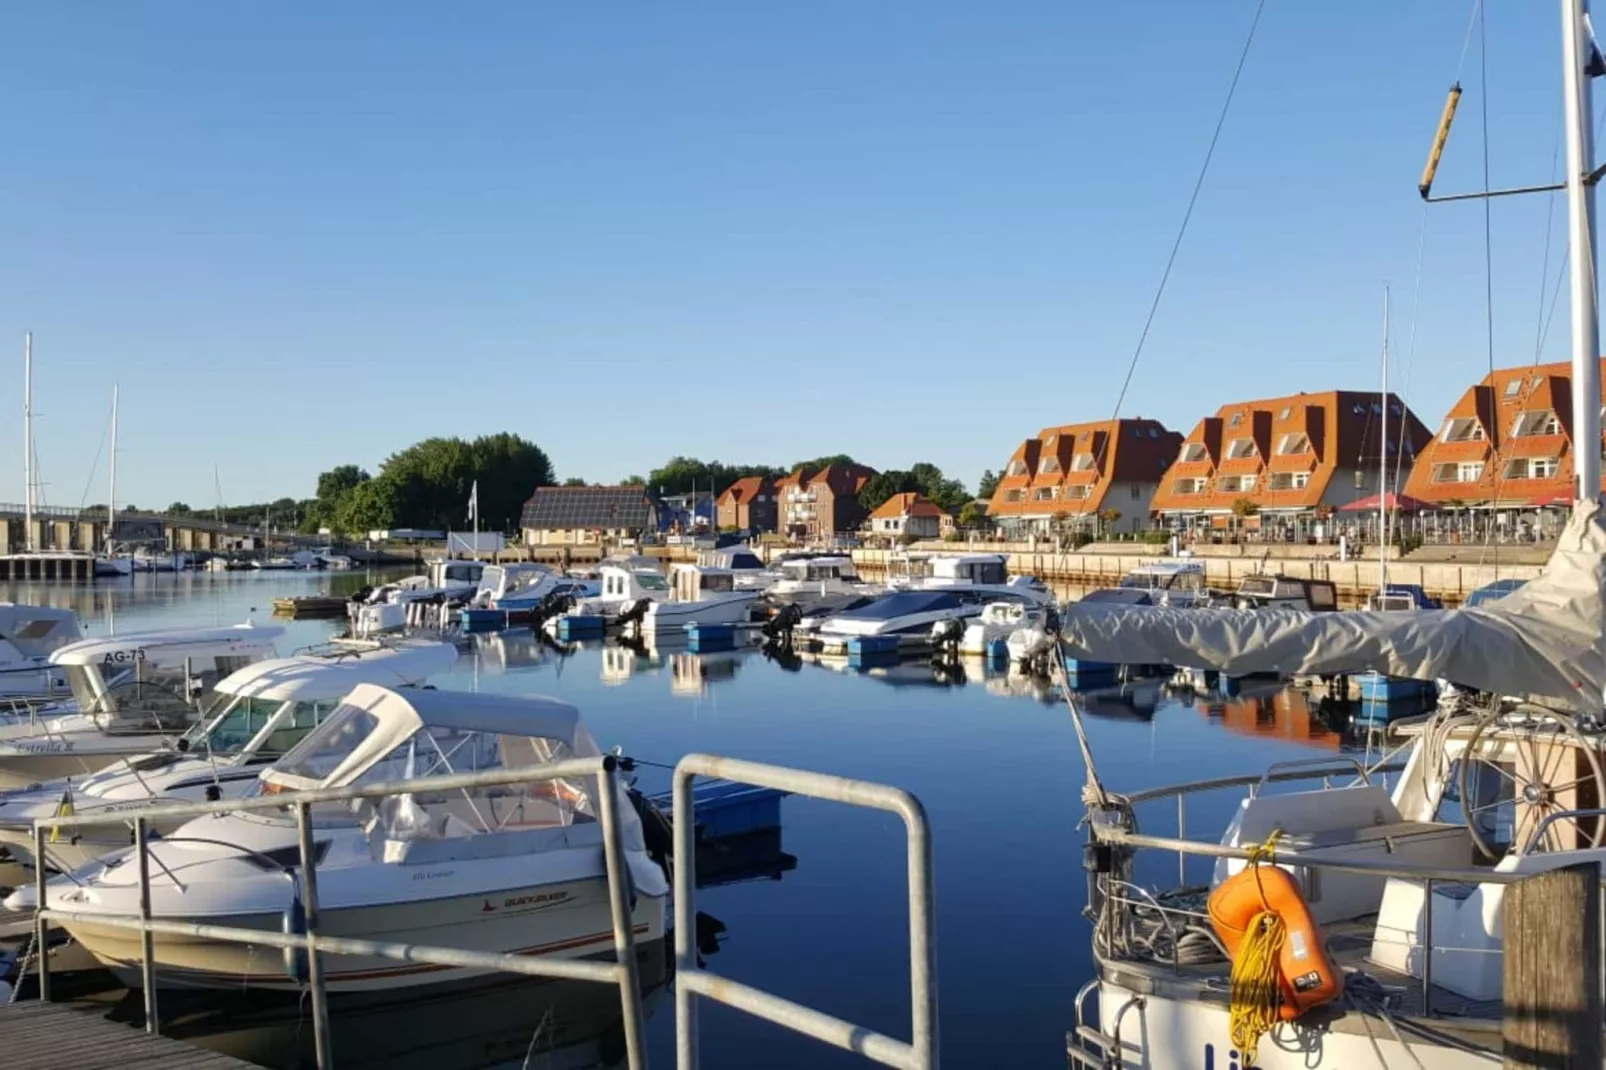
point(742, 491)
point(911, 503)
point(1111, 451)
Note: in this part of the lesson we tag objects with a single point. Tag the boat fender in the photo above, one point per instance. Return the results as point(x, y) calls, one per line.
point(294, 923)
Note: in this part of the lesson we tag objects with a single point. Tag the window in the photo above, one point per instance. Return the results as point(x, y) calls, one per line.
point(1154, 432)
point(1289, 480)
point(1049, 467)
point(1293, 442)
point(1193, 451)
point(1246, 482)
point(1462, 429)
point(1137, 492)
point(1237, 418)
point(1043, 494)
point(1137, 432)
point(1081, 462)
point(1017, 467)
point(1188, 486)
point(1239, 448)
point(1229, 484)
point(1013, 495)
point(1542, 422)
point(1078, 492)
point(1513, 387)
point(1287, 410)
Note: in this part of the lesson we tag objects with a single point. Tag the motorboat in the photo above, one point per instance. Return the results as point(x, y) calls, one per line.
point(1027, 644)
point(111, 566)
point(748, 568)
point(28, 636)
point(900, 613)
point(447, 581)
point(147, 560)
point(134, 692)
point(997, 623)
point(627, 590)
point(820, 584)
point(516, 868)
point(510, 594)
point(1492, 592)
point(1179, 584)
point(978, 577)
point(1402, 598)
point(260, 712)
point(1275, 591)
point(699, 595)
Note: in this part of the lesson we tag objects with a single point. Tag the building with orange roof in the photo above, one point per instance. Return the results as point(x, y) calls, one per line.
point(1080, 475)
point(822, 503)
point(911, 513)
point(748, 504)
point(1507, 444)
point(1291, 460)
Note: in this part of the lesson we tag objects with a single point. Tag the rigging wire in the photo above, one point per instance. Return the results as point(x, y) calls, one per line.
point(1182, 230)
point(105, 433)
point(1488, 252)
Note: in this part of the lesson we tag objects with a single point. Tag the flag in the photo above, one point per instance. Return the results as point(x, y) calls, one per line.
point(64, 808)
point(474, 502)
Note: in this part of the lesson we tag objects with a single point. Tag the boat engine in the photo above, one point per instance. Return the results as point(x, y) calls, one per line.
point(779, 628)
point(552, 605)
point(945, 636)
point(634, 613)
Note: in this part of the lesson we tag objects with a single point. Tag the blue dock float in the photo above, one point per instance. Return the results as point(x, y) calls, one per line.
point(581, 627)
point(998, 651)
point(723, 808)
point(873, 649)
point(480, 619)
point(1376, 687)
point(709, 637)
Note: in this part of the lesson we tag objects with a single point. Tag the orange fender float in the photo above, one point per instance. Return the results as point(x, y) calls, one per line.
point(1306, 975)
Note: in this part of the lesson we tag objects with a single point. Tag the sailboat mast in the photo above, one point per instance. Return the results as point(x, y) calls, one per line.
point(111, 495)
point(1577, 48)
point(27, 441)
point(1383, 463)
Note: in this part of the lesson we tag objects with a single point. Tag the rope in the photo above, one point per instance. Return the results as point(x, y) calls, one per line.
point(22, 963)
point(1093, 792)
point(1187, 215)
point(1255, 992)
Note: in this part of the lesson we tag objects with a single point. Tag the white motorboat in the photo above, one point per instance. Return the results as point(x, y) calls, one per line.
point(748, 568)
point(510, 593)
point(979, 577)
point(1275, 591)
point(112, 565)
point(899, 613)
point(820, 584)
point(447, 580)
point(1179, 584)
point(134, 692)
point(146, 560)
point(516, 868)
point(260, 712)
point(28, 636)
point(699, 595)
point(997, 623)
point(626, 589)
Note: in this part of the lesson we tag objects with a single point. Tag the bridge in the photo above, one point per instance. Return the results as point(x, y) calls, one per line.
point(59, 528)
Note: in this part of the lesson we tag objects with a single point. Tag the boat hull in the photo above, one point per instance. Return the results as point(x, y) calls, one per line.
point(673, 616)
point(567, 920)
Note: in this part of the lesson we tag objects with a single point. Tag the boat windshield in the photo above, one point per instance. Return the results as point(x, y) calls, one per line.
point(652, 581)
point(245, 718)
point(1169, 581)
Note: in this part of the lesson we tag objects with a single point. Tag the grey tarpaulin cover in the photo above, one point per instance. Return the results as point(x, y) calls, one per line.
point(1543, 641)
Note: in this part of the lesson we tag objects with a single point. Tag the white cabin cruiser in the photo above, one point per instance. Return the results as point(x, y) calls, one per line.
point(514, 868)
point(979, 577)
point(700, 595)
point(448, 580)
point(998, 622)
point(1179, 584)
point(899, 613)
point(134, 692)
point(820, 584)
point(1276, 591)
point(28, 636)
point(261, 712)
point(626, 589)
point(748, 568)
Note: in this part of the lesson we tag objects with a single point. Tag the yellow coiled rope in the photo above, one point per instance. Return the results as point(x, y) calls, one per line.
point(1256, 990)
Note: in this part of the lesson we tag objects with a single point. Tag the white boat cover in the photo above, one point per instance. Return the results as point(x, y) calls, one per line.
point(1542, 642)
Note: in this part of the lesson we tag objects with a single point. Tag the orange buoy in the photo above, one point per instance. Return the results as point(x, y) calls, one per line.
point(1306, 975)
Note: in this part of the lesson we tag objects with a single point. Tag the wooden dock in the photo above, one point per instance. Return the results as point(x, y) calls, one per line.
point(60, 1036)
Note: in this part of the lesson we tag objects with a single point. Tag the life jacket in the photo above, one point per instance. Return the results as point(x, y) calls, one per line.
point(1306, 975)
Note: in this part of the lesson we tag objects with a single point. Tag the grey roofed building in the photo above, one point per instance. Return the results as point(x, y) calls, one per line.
point(569, 514)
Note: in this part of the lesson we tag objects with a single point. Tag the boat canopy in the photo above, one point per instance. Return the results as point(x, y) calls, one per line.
point(1542, 642)
point(1119, 596)
point(36, 631)
point(333, 672)
point(170, 645)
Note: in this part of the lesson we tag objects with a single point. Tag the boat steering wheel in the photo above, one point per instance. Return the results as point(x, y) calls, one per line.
point(1554, 764)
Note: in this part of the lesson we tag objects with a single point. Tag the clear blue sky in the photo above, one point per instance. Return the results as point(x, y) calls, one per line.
point(306, 234)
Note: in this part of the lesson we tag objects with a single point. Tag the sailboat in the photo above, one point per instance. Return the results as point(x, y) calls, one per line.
point(110, 563)
point(1505, 778)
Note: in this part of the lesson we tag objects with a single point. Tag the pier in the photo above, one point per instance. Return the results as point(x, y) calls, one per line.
point(60, 1036)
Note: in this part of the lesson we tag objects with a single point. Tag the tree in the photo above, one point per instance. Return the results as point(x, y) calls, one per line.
point(1108, 518)
point(178, 509)
point(973, 514)
point(924, 478)
point(682, 475)
point(884, 485)
point(574, 481)
point(633, 481)
point(988, 484)
point(338, 480)
point(430, 481)
point(824, 462)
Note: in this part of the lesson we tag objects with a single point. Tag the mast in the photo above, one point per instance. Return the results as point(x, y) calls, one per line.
point(1383, 463)
point(27, 441)
point(1577, 51)
point(111, 497)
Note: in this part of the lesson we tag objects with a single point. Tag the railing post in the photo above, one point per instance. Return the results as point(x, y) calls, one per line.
point(1182, 834)
point(685, 891)
point(624, 933)
point(309, 901)
point(1427, 949)
point(41, 926)
point(147, 941)
point(922, 941)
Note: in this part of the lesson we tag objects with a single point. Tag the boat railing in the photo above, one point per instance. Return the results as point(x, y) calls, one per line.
point(1132, 918)
point(693, 981)
point(303, 938)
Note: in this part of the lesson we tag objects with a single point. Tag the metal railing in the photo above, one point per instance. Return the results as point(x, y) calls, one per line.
point(621, 972)
point(692, 981)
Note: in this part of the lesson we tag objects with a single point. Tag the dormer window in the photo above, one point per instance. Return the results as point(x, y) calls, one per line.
point(1287, 410)
point(1081, 462)
point(1513, 388)
point(1017, 467)
point(1193, 451)
point(1462, 429)
point(1293, 442)
point(1049, 467)
point(1240, 448)
point(1237, 418)
point(1542, 422)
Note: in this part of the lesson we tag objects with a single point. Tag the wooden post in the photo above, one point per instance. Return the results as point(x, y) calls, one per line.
point(1552, 969)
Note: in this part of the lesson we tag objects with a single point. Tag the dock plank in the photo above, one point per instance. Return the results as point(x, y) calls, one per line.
point(60, 1036)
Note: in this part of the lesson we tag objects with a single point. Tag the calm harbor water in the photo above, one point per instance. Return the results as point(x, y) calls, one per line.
point(992, 757)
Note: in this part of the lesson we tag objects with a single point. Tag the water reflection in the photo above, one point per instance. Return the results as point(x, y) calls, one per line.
point(535, 1023)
